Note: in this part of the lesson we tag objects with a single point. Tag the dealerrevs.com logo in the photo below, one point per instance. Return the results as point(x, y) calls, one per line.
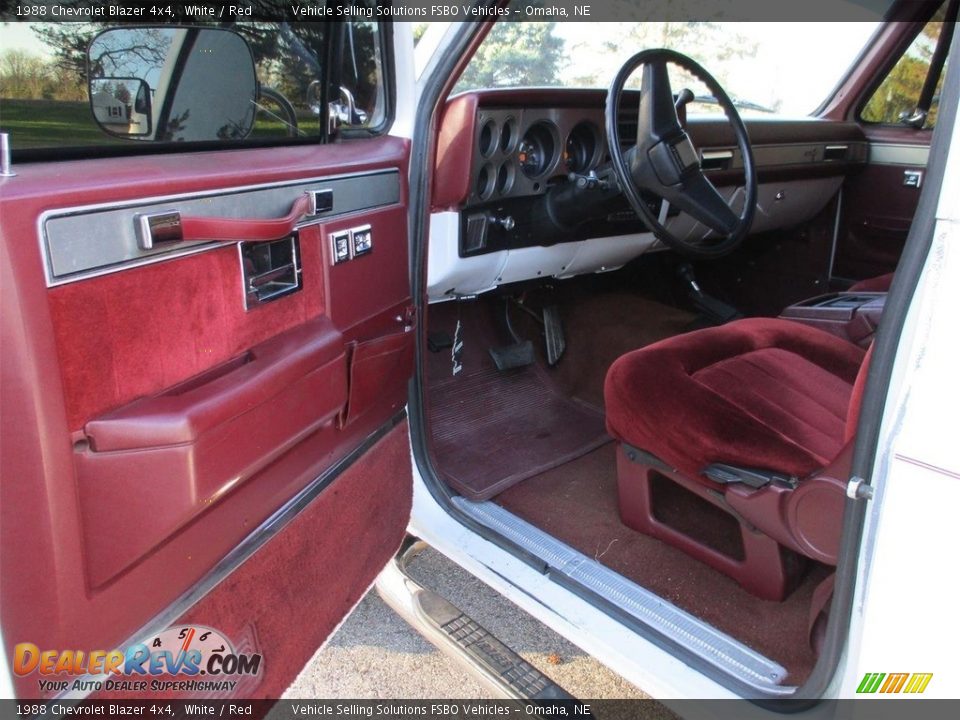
point(184, 658)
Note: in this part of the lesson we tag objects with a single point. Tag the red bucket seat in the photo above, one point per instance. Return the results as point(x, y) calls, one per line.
point(754, 418)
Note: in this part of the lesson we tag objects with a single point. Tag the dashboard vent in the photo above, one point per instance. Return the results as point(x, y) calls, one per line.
point(628, 117)
point(716, 159)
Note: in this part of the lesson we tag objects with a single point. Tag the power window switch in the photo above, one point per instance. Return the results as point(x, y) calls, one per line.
point(362, 240)
point(340, 246)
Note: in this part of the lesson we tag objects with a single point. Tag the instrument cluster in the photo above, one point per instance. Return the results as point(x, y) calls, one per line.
point(523, 151)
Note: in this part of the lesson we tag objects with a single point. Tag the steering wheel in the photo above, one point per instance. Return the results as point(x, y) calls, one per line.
point(664, 162)
point(286, 107)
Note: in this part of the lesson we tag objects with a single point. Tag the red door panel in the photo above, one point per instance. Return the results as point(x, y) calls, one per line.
point(878, 205)
point(151, 425)
point(117, 341)
point(288, 615)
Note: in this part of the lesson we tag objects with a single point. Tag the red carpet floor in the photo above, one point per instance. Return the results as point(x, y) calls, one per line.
point(577, 503)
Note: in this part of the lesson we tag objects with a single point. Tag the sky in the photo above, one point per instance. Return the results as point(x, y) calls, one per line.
point(18, 36)
point(796, 64)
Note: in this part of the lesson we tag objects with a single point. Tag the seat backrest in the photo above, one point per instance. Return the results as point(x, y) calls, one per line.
point(856, 398)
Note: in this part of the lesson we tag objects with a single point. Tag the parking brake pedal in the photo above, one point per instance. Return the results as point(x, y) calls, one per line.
point(710, 307)
point(438, 341)
point(553, 334)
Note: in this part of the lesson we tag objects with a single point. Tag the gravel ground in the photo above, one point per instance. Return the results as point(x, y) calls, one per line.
point(375, 654)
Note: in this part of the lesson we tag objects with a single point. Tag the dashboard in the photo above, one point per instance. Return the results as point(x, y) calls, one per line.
point(505, 160)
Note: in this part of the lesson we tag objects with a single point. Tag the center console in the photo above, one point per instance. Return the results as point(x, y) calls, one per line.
point(852, 316)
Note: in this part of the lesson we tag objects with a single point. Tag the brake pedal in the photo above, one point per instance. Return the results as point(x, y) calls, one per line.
point(553, 334)
point(513, 356)
point(517, 355)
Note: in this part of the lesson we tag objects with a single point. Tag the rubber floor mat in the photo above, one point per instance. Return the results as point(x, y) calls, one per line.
point(492, 429)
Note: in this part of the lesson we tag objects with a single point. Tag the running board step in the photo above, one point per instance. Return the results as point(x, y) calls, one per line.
point(462, 638)
point(698, 637)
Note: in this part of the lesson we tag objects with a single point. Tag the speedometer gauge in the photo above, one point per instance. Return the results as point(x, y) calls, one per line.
point(530, 157)
point(535, 152)
point(580, 148)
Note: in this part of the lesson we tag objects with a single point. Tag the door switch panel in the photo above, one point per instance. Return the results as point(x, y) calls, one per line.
point(270, 270)
point(350, 244)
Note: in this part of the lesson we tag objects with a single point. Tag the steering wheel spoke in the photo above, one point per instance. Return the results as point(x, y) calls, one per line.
point(664, 162)
point(657, 119)
point(701, 200)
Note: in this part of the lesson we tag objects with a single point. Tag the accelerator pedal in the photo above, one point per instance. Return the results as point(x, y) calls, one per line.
point(553, 334)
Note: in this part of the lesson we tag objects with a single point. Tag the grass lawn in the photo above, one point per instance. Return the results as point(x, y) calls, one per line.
point(52, 123)
point(48, 123)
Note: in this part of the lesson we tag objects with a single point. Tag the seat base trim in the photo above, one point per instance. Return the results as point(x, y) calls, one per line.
point(765, 569)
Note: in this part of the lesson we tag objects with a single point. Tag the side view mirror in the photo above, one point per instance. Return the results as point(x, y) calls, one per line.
point(172, 84)
point(122, 106)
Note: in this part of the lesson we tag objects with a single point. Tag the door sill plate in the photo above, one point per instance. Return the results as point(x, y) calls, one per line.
point(688, 631)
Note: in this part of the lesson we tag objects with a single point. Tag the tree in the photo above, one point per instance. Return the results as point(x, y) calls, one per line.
point(68, 43)
point(418, 31)
point(710, 44)
point(516, 53)
point(899, 92)
point(129, 52)
point(22, 75)
point(122, 93)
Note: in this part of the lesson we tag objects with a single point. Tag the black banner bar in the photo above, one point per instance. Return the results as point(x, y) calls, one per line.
point(874, 708)
point(164, 11)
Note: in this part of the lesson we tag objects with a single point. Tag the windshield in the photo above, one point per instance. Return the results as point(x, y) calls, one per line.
point(766, 67)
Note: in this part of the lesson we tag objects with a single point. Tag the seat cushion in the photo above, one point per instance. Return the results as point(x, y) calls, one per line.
point(762, 393)
point(881, 283)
